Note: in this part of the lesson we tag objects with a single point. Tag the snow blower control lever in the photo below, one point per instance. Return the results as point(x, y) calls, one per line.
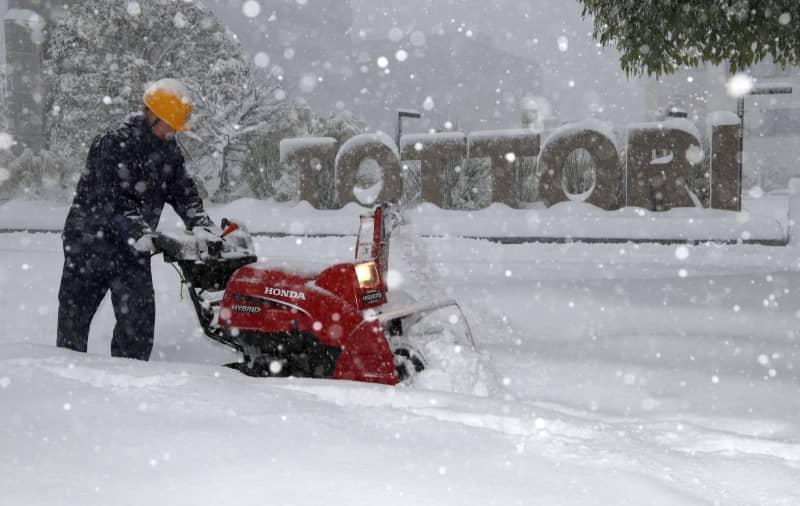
point(228, 227)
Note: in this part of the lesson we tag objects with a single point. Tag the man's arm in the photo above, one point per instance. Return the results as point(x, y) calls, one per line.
point(185, 199)
point(108, 160)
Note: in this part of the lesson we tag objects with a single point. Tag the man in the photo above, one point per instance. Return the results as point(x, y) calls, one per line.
point(130, 174)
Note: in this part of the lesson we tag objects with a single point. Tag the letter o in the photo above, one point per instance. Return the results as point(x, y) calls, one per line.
point(378, 146)
point(554, 155)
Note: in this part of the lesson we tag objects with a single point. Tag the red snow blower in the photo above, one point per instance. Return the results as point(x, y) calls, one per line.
point(335, 323)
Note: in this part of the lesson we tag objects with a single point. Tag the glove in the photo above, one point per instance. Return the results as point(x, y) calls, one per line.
point(209, 241)
point(145, 244)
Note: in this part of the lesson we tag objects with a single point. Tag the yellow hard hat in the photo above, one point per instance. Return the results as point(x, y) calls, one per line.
point(171, 101)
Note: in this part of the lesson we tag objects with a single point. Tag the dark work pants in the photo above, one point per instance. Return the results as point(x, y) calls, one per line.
point(92, 267)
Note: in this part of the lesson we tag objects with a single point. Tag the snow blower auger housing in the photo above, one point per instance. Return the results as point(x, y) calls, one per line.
point(327, 324)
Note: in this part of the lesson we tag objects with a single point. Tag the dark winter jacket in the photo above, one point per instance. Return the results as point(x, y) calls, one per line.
point(130, 174)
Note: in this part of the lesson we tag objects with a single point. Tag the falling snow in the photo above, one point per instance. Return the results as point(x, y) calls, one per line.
point(251, 8)
point(739, 85)
point(656, 363)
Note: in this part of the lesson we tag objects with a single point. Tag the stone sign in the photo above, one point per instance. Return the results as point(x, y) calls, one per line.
point(652, 169)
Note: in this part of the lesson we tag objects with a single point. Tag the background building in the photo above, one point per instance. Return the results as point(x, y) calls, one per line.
point(24, 25)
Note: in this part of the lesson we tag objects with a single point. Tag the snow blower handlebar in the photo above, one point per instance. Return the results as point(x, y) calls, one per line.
point(182, 247)
point(201, 245)
point(205, 262)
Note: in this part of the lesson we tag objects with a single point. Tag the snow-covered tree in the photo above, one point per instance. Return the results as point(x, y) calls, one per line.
point(30, 176)
point(262, 170)
point(101, 54)
point(341, 125)
point(243, 104)
point(657, 37)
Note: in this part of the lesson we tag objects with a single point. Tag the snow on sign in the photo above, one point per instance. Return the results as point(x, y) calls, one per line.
point(663, 166)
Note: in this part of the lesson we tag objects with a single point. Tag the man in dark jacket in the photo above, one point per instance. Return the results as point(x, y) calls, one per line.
point(131, 172)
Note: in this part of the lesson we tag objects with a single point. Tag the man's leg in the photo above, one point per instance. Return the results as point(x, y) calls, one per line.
point(134, 306)
point(83, 286)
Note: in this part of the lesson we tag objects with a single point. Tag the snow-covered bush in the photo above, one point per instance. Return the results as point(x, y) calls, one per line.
point(441, 155)
point(526, 179)
point(412, 185)
point(470, 183)
point(579, 172)
point(467, 180)
point(503, 150)
point(341, 125)
point(35, 176)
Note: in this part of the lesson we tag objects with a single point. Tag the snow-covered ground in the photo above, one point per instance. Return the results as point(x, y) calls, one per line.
point(606, 374)
point(764, 220)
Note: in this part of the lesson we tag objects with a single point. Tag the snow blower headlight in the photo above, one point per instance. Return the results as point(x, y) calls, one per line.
point(367, 274)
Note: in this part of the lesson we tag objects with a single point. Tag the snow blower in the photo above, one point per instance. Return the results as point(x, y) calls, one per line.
point(337, 323)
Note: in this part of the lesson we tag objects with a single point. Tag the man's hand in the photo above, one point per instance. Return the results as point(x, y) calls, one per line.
point(209, 241)
point(145, 244)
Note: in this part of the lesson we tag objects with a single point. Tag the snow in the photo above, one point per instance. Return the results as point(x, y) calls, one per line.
point(620, 372)
point(26, 18)
point(763, 219)
point(603, 127)
point(251, 8)
point(604, 374)
point(358, 141)
point(288, 147)
point(452, 139)
point(739, 85)
point(170, 86)
point(581, 220)
point(525, 138)
point(723, 118)
point(680, 124)
point(24, 15)
point(514, 134)
point(6, 141)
